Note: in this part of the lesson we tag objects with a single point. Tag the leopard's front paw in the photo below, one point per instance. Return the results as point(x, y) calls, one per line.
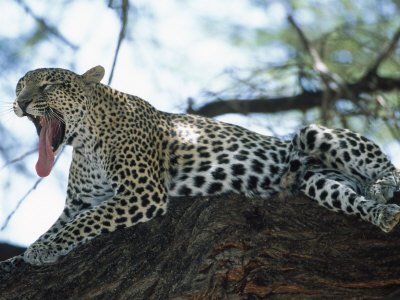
point(384, 188)
point(41, 253)
point(388, 217)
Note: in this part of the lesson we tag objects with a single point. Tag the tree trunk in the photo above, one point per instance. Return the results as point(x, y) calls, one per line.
point(225, 247)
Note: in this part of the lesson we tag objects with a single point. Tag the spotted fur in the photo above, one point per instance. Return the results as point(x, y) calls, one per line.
point(128, 158)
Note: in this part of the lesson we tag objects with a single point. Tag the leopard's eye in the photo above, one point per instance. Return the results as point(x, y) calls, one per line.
point(44, 86)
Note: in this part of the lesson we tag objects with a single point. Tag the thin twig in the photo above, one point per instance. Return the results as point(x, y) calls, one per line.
point(26, 195)
point(22, 156)
point(384, 53)
point(49, 28)
point(326, 75)
point(122, 33)
point(319, 65)
point(20, 202)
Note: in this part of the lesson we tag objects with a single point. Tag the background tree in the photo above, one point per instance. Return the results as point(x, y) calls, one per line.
point(339, 67)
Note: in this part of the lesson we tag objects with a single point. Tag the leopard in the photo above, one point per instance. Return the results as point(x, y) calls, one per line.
point(129, 158)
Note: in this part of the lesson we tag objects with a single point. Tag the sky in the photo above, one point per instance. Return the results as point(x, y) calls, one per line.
point(165, 60)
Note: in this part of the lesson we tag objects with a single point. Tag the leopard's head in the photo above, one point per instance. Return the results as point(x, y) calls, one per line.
point(55, 100)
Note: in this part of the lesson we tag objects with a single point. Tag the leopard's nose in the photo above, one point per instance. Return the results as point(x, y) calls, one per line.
point(23, 104)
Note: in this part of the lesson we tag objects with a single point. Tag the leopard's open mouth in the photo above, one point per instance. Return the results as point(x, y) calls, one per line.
point(51, 131)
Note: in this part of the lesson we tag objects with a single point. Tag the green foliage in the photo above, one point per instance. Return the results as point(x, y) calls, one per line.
point(348, 36)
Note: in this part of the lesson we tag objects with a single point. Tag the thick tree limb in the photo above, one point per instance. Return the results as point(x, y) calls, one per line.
point(225, 247)
point(303, 101)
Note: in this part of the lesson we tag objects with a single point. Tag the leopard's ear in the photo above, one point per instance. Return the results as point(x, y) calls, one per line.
point(94, 75)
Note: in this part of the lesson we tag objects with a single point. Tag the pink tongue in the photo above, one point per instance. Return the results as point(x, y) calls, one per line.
point(46, 155)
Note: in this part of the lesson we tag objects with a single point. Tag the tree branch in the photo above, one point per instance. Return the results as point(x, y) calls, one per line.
point(327, 76)
point(7, 220)
point(390, 46)
point(49, 28)
point(122, 33)
point(35, 185)
point(306, 100)
point(371, 82)
point(303, 101)
point(21, 157)
point(319, 65)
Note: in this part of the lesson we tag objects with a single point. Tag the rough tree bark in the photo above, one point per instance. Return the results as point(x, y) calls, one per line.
point(225, 247)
